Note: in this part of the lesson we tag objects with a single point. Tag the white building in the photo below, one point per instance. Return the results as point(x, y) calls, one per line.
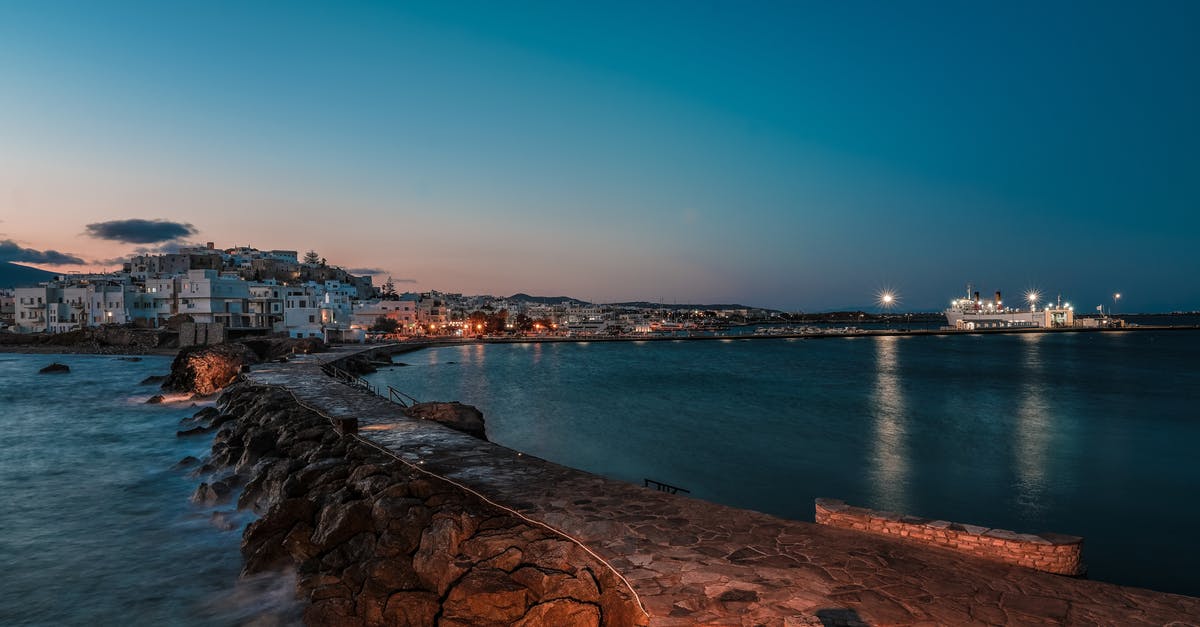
point(55, 308)
point(302, 315)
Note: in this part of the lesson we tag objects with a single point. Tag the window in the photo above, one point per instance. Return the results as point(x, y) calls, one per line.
point(312, 319)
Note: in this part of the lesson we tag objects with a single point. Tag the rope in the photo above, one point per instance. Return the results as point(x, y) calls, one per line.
point(478, 495)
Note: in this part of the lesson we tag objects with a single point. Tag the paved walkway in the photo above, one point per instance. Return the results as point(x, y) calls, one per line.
point(698, 563)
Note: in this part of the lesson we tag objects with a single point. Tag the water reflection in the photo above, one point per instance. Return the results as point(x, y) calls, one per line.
point(1032, 431)
point(890, 471)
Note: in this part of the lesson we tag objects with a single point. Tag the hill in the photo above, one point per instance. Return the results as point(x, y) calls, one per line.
point(15, 275)
point(543, 300)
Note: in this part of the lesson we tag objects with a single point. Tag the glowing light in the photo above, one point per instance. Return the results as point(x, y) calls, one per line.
point(1032, 296)
point(887, 298)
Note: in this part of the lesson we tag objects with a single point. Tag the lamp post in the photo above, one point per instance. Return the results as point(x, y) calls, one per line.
point(1032, 296)
point(886, 300)
point(1116, 301)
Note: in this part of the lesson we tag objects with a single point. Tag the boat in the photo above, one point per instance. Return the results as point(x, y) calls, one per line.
point(973, 313)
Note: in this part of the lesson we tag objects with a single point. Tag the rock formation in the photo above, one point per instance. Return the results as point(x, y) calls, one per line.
point(465, 418)
point(204, 370)
point(375, 541)
point(55, 368)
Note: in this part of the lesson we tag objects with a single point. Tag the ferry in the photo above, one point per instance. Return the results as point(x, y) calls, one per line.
point(973, 312)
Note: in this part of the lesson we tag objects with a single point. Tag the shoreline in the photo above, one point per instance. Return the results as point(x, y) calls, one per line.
point(731, 561)
point(34, 349)
point(434, 342)
point(408, 345)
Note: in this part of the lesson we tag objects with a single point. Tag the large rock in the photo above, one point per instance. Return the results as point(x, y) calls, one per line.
point(455, 415)
point(55, 368)
point(204, 370)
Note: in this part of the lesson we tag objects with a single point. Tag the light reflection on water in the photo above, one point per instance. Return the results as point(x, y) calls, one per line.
point(890, 467)
point(1033, 430)
point(1025, 432)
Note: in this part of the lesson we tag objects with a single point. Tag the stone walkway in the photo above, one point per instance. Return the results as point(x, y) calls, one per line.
point(697, 563)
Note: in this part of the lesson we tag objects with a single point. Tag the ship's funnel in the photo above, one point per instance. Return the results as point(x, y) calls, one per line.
point(997, 298)
point(977, 297)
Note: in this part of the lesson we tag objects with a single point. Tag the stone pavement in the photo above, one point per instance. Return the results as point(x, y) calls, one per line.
point(697, 563)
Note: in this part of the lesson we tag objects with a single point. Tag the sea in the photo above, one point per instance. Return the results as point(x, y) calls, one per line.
point(1090, 434)
point(96, 527)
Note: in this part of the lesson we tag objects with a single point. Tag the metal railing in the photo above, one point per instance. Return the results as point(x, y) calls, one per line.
point(398, 397)
point(348, 378)
point(664, 487)
point(355, 381)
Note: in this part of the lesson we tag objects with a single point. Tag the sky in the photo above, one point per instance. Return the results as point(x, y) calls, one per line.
point(793, 155)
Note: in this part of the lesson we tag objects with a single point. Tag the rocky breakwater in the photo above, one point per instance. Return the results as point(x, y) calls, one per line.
point(105, 340)
point(376, 541)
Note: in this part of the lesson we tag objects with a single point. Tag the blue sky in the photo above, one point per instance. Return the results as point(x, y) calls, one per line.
point(792, 155)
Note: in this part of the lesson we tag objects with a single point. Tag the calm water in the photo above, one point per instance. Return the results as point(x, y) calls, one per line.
point(95, 526)
point(1090, 434)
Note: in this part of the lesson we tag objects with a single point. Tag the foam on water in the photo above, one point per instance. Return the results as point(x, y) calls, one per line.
point(97, 524)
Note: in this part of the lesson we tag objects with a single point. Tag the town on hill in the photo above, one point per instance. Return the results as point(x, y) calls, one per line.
point(244, 290)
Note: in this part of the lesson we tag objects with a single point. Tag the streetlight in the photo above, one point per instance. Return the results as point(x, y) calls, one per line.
point(886, 299)
point(1032, 296)
point(1116, 301)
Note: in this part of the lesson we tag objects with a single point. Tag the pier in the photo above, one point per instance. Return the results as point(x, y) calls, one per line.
point(690, 562)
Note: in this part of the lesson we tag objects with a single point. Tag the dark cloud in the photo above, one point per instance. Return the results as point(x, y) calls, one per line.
point(115, 261)
point(166, 249)
point(137, 231)
point(361, 271)
point(11, 251)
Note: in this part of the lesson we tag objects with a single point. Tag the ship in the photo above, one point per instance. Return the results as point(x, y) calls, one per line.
point(973, 313)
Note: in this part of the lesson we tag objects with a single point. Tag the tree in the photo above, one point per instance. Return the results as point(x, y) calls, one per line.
point(497, 322)
point(389, 290)
point(312, 258)
point(523, 323)
point(385, 324)
point(478, 321)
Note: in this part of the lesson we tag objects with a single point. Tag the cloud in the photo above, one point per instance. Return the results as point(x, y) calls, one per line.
point(137, 231)
point(11, 251)
point(115, 261)
point(361, 271)
point(164, 249)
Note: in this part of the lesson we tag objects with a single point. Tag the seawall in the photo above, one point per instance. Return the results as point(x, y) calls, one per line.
point(688, 562)
point(375, 541)
point(1049, 552)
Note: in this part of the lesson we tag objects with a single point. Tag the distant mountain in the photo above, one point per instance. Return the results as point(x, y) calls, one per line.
point(554, 300)
point(15, 275)
point(684, 306)
point(543, 300)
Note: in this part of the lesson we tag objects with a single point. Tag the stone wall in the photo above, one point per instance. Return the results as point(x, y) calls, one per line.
point(1049, 552)
point(201, 333)
point(375, 541)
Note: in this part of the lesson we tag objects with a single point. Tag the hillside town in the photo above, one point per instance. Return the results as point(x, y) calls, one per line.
point(248, 291)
